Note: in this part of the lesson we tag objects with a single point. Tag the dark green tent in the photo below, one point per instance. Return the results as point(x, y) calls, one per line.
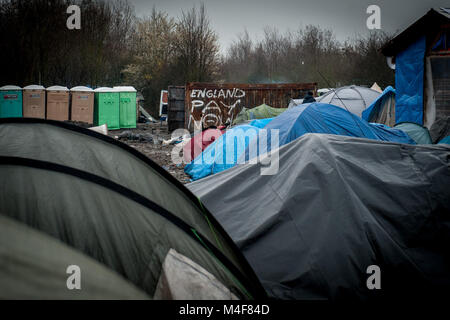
point(109, 201)
point(33, 265)
point(260, 112)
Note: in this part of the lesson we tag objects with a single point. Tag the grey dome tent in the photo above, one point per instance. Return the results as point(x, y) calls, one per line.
point(354, 98)
point(311, 230)
point(109, 201)
point(33, 266)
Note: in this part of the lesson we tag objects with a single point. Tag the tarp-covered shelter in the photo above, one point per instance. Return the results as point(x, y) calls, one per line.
point(382, 110)
point(336, 206)
point(112, 203)
point(352, 98)
point(323, 118)
point(260, 112)
point(419, 134)
point(223, 153)
point(420, 55)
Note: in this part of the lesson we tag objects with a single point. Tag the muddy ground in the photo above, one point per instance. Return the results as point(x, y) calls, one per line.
point(147, 139)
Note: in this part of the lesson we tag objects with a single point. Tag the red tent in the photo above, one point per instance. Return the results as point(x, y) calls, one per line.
point(200, 141)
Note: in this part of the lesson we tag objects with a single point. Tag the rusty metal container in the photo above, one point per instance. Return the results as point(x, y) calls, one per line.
point(57, 103)
point(211, 104)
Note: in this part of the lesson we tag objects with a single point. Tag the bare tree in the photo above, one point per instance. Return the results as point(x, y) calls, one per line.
point(196, 46)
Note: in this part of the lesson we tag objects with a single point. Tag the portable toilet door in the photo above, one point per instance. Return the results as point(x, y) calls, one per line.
point(127, 96)
point(10, 102)
point(106, 107)
point(34, 102)
point(82, 104)
point(57, 103)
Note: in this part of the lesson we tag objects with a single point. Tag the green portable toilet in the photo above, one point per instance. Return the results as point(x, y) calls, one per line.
point(10, 102)
point(127, 106)
point(106, 107)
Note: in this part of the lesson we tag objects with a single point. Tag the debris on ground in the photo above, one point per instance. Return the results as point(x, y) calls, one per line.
point(148, 139)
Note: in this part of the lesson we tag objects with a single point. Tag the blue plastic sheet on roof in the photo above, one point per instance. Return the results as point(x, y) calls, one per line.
point(375, 106)
point(325, 118)
point(223, 153)
point(409, 68)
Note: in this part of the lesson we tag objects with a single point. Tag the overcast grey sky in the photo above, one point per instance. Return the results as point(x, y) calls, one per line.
point(347, 18)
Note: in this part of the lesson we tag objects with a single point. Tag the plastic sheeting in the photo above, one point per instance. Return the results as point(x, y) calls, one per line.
point(445, 140)
point(223, 153)
point(382, 110)
point(409, 68)
point(325, 118)
point(337, 206)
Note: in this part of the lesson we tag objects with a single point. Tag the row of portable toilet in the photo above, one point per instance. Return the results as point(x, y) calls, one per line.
point(114, 106)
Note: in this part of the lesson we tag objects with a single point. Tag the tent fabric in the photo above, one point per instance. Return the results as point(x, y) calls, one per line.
point(409, 68)
point(324, 118)
point(260, 123)
point(109, 201)
point(223, 153)
point(336, 206)
point(352, 98)
point(440, 129)
point(181, 279)
point(33, 266)
point(260, 112)
point(382, 110)
point(200, 141)
point(419, 134)
point(445, 140)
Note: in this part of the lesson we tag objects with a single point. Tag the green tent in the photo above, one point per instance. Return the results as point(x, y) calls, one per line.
point(260, 112)
point(109, 201)
point(419, 134)
point(34, 265)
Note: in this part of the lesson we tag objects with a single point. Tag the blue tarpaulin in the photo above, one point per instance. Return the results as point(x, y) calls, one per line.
point(409, 68)
point(325, 118)
point(223, 153)
point(376, 106)
point(260, 123)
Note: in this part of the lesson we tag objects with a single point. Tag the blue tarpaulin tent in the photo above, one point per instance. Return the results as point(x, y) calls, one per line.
point(326, 118)
point(223, 153)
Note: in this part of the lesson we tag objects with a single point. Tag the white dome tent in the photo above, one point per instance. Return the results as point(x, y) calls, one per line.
point(353, 98)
